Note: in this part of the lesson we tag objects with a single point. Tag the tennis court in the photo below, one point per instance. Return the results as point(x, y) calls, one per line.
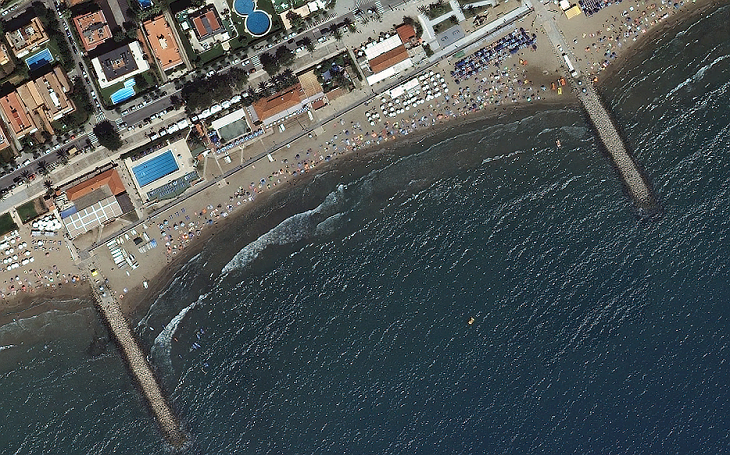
point(155, 169)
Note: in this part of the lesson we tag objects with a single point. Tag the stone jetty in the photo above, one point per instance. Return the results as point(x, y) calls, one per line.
point(636, 185)
point(139, 367)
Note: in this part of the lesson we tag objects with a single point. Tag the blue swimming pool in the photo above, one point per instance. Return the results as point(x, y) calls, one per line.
point(155, 169)
point(145, 3)
point(258, 22)
point(39, 59)
point(123, 93)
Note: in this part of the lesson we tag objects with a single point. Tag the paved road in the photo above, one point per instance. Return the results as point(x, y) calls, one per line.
point(138, 115)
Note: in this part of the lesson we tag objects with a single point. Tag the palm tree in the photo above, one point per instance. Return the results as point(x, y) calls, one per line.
point(25, 173)
point(62, 156)
point(48, 183)
point(264, 88)
point(287, 76)
point(43, 167)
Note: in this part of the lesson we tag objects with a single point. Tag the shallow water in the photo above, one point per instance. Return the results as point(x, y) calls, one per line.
point(345, 328)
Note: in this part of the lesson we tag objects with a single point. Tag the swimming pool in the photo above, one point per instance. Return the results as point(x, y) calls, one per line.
point(258, 22)
point(155, 169)
point(39, 59)
point(123, 93)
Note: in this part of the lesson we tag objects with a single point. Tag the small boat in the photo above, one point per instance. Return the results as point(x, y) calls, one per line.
point(557, 142)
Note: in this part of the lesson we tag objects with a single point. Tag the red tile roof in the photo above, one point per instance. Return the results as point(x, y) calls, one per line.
point(110, 178)
point(388, 59)
point(406, 32)
point(279, 102)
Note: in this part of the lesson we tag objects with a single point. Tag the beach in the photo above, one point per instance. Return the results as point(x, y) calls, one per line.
point(521, 81)
point(469, 287)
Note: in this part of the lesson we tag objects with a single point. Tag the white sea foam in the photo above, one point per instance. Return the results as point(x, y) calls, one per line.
point(2, 348)
point(293, 229)
point(162, 346)
point(697, 76)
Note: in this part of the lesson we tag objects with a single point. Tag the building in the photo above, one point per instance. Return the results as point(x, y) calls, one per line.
point(163, 43)
point(93, 203)
point(116, 65)
point(389, 64)
point(279, 105)
point(386, 58)
point(18, 119)
point(47, 96)
point(4, 141)
point(207, 23)
point(27, 38)
point(407, 34)
point(4, 57)
point(93, 29)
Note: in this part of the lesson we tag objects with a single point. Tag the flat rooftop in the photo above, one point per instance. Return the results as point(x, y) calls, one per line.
point(163, 43)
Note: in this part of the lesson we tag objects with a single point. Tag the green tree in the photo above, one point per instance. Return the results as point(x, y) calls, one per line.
point(271, 64)
point(308, 44)
point(108, 135)
point(284, 55)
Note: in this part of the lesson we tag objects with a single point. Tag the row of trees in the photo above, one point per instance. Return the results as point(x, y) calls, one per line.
point(201, 93)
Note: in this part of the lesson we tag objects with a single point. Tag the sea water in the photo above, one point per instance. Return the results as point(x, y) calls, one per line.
point(343, 327)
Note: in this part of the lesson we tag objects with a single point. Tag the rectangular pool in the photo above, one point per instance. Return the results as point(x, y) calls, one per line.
point(155, 169)
point(40, 59)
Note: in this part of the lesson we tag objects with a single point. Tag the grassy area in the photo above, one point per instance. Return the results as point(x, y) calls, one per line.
point(7, 224)
point(28, 211)
point(106, 93)
point(470, 11)
point(7, 156)
point(212, 54)
point(279, 6)
point(436, 9)
point(185, 41)
point(445, 25)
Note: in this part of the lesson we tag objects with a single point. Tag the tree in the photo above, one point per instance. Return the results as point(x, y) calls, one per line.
point(108, 135)
point(295, 19)
point(284, 55)
point(141, 83)
point(48, 184)
point(308, 44)
point(270, 63)
point(42, 167)
point(263, 89)
point(338, 34)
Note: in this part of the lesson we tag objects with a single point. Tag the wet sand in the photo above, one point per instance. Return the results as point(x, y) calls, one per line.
point(244, 199)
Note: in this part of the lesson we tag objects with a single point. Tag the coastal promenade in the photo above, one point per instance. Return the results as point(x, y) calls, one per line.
point(486, 33)
point(139, 367)
point(634, 181)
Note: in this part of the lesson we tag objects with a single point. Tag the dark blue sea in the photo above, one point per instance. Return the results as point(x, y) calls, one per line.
point(336, 319)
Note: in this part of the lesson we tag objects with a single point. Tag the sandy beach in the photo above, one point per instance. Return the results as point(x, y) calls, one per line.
point(522, 81)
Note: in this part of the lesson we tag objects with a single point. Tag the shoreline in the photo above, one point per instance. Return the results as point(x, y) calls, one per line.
point(136, 300)
point(648, 41)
